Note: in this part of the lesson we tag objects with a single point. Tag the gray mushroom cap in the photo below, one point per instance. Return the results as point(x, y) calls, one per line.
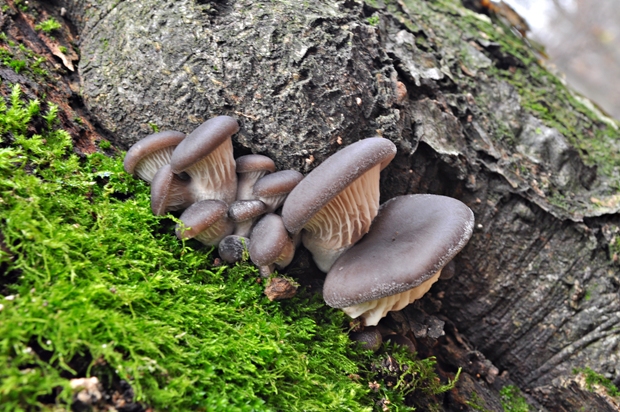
point(331, 177)
point(202, 141)
point(242, 210)
point(255, 162)
point(369, 339)
point(206, 220)
point(270, 243)
point(169, 192)
point(250, 168)
point(244, 213)
point(206, 155)
point(411, 239)
point(232, 248)
point(148, 155)
point(274, 188)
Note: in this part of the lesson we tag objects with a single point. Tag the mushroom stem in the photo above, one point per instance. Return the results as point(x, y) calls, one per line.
point(244, 228)
point(246, 184)
point(320, 236)
point(374, 310)
point(266, 270)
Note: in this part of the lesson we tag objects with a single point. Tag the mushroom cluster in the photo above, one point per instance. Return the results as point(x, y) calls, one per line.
point(222, 199)
point(378, 258)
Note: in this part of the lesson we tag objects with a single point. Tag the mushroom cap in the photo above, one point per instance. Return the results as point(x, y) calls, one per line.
point(202, 141)
point(255, 162)
point(199, 217)
point(410, 240)
point(241, 210)
point(274, 188)
point(277, 183)
point(169, 192)
point(232, 248)
point(331, 177)
point(269, 240)
point(369, 339)
point(149, 145)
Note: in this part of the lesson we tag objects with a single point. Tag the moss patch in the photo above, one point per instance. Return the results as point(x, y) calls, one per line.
point(513, 400)
point(594, 379)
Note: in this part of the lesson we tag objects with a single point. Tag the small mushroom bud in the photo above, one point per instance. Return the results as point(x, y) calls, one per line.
point(244, 213)
point(233, 248)
point(369, 338)
point(270, 243)
point(400, 340)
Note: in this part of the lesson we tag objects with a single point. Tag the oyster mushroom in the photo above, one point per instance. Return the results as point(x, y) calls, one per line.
point(169, 192)
point(270, 244)
point(206, 155)
point(244, 213)
point(206, 221)
point(250, 168)
point(412, 238)
point(336, 202)
point(148, 155)
point(273, 189)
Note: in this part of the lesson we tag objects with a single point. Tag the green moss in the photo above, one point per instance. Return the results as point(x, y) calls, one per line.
point(400, 379)
point(373, 20)
point(548, 99)
point(95, 284)
point(513, 400)
point(22, 60)
point(477, 403)
point(593, 378)
point(21, 4)
point(103, 144)
point(49, 25)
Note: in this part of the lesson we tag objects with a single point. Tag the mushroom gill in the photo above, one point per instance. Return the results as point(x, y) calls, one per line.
point(346, 218)
point(374, 310)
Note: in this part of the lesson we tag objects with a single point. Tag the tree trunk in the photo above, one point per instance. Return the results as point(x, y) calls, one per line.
point(474, 116)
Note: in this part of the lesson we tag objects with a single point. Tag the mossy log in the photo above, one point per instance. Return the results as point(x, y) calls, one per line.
point(472, 110)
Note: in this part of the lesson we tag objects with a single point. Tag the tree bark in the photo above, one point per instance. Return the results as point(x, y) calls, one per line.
point(536, 291)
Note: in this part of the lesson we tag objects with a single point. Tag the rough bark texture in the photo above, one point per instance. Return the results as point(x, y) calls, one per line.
point(536, 291)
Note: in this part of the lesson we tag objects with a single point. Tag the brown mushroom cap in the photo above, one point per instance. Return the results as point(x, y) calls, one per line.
point(206, 221)
point(336, 202)
point(331, 177)
point(244, 213)
point(250, 168)
point(369, 339)
point(412, 238)
point(255, 163)
point(169, 192)
point(202, 141)
point(242, 210)
point(148, 155)
point(206, 155)
point(270, 243)
point(273, 189)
